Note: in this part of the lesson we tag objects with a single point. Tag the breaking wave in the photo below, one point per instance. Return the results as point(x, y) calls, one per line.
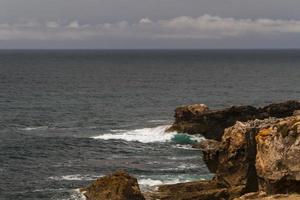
point(144, 135)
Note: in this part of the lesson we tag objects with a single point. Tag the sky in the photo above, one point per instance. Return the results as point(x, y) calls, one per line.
point(149, 24)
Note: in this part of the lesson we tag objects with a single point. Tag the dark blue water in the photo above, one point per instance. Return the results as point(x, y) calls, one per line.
point(68, 117)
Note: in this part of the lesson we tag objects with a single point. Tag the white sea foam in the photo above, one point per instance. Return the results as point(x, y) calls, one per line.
point(183, 157)
point(76, 195)
point(185, 146)
point(74, 177)
point(35, 128)
point(145, 135)
point(158, 121)
point(153, 182)
point(149, 182)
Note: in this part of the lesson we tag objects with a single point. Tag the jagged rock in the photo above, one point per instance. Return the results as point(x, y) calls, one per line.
point(236, 157)
point(278, 154)
point(198, 119)
point(233, 159)
point(117, 186)
point(258, 155)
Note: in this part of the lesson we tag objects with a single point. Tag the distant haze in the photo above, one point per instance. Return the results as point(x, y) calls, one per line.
point(154, 24)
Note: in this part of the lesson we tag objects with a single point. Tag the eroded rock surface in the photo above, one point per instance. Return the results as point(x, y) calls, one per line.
point(278, 156)
point(258, 155)
point(117, 186)
point(198, 119)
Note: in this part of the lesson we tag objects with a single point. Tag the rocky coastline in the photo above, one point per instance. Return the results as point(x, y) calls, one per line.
point(253, 152)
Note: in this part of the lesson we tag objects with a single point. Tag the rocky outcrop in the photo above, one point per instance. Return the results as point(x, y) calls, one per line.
point(117, 186)
point(198, 119)
point(278, 154)
point(254, 159)
point(258, 155)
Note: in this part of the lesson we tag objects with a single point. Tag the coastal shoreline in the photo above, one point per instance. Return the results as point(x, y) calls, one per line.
point(244, 152)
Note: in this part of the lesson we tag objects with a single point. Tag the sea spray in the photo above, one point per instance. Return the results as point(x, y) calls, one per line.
point(144, 135)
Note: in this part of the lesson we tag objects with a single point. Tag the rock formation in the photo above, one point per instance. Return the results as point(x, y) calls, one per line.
point(198, 119)
point(254, 159)
point(278, 154)
point(258, 155)
point(118, 186)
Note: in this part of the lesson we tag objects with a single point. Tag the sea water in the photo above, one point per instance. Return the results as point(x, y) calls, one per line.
point(68, 117)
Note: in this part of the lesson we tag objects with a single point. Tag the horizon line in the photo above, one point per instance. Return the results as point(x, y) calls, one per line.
point(145, 49)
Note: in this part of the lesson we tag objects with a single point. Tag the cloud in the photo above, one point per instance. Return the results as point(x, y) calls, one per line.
point(73, 24)
point(184, 27)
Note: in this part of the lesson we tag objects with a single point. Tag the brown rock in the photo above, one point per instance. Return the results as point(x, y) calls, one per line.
point(264, 196)
point(197, 190)
point(259, 155)
point(118, 186)
point(197, 119)
point(210, 150)
point(278, 154)
point(236, 157)
point(233, 159)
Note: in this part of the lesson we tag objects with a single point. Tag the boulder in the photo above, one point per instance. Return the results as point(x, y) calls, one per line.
point(198, 119)
point(117, 186)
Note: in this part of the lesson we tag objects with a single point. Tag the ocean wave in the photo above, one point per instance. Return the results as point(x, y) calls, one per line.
point(35, 128)
point(73, 194)
point(76, 195)
point(183, 158)
point(148, 182)
point(158, 121)
point(74, 177)
point(185, 147)
point(144, 135)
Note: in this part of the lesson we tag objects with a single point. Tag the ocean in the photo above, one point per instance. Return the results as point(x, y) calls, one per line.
point(68, 117)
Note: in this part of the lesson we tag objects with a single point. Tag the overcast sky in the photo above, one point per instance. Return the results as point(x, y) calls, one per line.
point(105, 24)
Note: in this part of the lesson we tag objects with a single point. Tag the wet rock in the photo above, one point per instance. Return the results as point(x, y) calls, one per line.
point(117, 186)
point(198, 119)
